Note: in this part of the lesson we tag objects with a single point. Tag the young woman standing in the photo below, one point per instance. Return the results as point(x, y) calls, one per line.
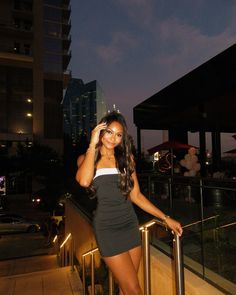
point(108, 168)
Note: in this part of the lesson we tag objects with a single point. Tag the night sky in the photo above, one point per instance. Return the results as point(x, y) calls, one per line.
point(134, 48)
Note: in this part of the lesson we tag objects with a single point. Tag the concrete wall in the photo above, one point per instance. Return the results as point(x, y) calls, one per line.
point(162, 268)
point(81, 229)
point(163, 278)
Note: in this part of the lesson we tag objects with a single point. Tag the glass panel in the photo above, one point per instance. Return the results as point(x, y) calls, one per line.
point(209, 206)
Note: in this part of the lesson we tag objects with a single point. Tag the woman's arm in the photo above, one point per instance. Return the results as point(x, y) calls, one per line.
point(85, 162)
point(141, 201)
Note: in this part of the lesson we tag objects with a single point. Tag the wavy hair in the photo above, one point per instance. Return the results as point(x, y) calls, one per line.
point(124, 153)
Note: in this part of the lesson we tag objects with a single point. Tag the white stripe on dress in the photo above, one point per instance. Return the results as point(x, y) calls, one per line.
point(105, 171)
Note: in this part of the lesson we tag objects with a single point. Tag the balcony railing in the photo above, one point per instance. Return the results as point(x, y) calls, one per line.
point(208, 207)
point(209, 243)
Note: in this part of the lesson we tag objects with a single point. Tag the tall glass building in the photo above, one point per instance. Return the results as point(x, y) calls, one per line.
point(83, 107)
point(34, 56)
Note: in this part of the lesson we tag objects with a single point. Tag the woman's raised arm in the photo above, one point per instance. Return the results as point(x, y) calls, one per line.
point(85, 162)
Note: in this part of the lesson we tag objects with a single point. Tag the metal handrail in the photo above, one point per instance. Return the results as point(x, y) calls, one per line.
point(63, 253)
point(226, 225)
point(111, 281)
point(178, 258)
point(200, 221)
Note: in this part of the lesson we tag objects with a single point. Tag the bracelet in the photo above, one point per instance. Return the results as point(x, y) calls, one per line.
point(91, 148)
point(164, 221)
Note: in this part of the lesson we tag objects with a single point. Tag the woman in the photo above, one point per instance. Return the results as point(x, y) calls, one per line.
point(108, 168)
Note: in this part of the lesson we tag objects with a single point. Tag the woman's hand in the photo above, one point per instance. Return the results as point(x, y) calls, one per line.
point(174, 225)
point(96, 133)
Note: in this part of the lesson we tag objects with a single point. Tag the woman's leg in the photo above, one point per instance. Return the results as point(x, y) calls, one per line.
point(124, 268)
point(135, 255)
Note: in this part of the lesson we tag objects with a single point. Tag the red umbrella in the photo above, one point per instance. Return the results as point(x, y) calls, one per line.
point(170, 145)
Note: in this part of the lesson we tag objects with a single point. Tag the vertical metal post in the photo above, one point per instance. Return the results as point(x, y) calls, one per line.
point(111, 283)
point(65, 256)
point(202, 227)
point(146, 261)
point(92, 275)
point(179, 270)
point(170, 193)
point(83, 269)
point(72, 254)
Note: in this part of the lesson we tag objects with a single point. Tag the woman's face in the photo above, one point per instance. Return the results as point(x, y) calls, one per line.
point(113, 135)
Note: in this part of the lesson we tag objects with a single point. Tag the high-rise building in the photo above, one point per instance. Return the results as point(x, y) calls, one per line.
point(83, 106)
point(34, 56)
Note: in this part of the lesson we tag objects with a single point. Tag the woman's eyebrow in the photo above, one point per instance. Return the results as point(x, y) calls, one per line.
point(118, 132)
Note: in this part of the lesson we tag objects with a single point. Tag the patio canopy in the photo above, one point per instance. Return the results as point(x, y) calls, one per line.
point(202, 100)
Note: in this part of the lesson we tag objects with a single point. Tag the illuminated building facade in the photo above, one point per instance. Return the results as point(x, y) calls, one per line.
point(34, 56)
point(83, 106)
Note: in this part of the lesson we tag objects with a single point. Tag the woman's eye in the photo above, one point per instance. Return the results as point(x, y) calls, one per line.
point(108, 131)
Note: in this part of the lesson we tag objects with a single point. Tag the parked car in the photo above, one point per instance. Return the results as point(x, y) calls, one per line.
point(3, 214)
point(10, 224)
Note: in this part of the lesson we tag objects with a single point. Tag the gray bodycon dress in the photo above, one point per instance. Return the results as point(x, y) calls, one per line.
point(115, 222)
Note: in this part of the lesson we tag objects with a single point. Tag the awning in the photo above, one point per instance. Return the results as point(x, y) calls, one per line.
point(204, 99)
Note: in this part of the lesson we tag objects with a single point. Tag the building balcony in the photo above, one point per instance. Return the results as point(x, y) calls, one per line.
point(66, 26)
point(66, 11)
point(66, 78)
point(7, 57)
point(66, 41)
point(66, 2)
point(66, 59)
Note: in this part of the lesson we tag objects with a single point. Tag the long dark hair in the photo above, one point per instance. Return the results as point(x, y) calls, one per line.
point(123, 153)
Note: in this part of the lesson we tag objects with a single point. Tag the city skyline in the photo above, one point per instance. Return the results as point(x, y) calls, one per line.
point(135, 48)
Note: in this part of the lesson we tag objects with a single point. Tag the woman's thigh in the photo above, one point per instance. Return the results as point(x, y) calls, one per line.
point(135, 255)
point(124, 268)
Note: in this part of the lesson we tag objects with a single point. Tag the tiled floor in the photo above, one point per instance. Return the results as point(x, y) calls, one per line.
point(38, 276)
